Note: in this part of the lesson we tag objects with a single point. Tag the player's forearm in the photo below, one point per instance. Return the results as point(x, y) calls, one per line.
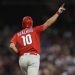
point(12, 46)
point(51, 20)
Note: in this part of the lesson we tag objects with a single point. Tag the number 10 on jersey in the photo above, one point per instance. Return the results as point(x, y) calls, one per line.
point(27, 39)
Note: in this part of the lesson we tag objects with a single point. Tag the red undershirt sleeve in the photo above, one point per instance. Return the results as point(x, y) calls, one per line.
point(14, 39)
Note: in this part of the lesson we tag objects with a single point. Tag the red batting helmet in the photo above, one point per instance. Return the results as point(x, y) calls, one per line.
point(27, 21)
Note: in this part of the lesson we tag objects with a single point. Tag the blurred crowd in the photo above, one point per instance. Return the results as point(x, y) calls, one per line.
point(59, 57)
point(57, 53)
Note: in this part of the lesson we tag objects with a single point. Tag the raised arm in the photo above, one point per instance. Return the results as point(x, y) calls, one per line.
point(51, 20)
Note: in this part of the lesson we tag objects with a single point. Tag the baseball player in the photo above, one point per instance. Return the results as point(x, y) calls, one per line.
point(28, 43)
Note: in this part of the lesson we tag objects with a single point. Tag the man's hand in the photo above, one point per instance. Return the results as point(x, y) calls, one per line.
point(13, 47)
point(61, 9)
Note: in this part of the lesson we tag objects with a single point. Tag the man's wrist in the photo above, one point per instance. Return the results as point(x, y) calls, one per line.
point(58, 13)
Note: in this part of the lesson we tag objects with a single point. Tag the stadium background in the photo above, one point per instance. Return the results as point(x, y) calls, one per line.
point(57, 42)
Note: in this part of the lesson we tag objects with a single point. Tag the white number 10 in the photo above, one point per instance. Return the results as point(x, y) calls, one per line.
point(27, 39)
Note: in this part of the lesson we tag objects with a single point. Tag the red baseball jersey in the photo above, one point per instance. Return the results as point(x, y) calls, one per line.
point(28, 40)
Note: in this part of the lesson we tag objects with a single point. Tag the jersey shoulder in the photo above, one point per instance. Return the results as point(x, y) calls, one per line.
point(39, 28)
